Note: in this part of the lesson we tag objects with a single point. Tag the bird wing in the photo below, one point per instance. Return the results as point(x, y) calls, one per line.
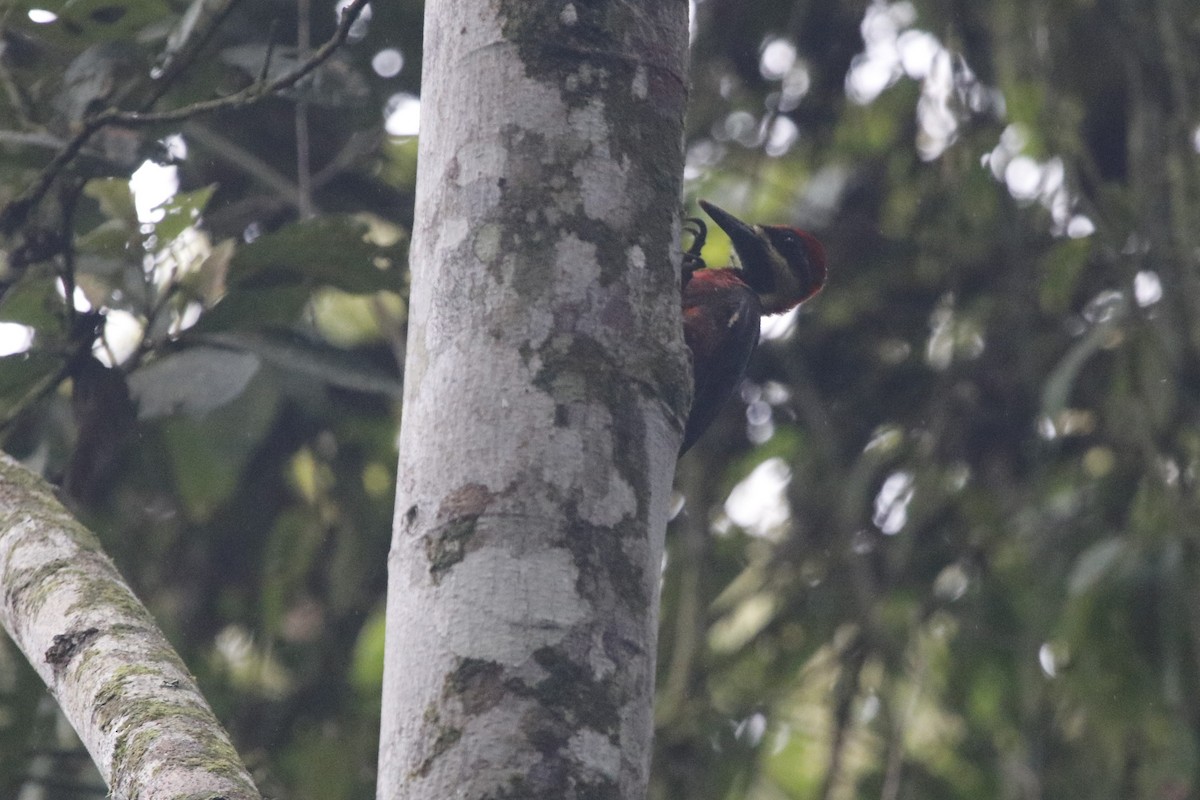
point(721, 326)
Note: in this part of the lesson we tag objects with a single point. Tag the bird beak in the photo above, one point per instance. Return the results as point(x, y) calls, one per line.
point(750, 244)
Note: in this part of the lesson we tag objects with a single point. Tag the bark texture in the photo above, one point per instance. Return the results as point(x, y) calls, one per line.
point(124, 690)
point(546, 386)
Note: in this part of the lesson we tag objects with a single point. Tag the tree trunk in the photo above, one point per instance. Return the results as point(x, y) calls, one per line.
point(546, 386)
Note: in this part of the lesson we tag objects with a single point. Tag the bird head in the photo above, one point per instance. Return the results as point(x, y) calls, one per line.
point(784, 266)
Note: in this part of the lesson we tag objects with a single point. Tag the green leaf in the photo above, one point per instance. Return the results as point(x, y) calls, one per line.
point(181, 212)
point(207, 281)
point(111, 239)
point(366, 668)
point(245, 308)
point(22, 377)
point(292, 549)
point(115, 198)
point(111, 19)
point(208, 455)
point(1157, 383)
point(34, 302)
point(1094, 563)
point(1061, 269)
point(1109, 311)
point(349, 320)
point(315, 359)
point(400, 161)
point(193, 381)
point(329, 250)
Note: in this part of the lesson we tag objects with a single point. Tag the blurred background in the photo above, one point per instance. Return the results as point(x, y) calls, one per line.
point(945, 544)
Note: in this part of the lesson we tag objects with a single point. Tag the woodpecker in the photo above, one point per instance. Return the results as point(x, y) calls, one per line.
point(778, 269)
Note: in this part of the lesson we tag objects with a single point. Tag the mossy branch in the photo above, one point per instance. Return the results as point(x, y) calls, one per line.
point(123, 688)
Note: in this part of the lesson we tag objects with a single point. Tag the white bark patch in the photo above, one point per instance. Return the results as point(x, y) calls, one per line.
point(568, 16)
point(609, 507)
point(589, 124)
point(579, 268)
point(476, 160)
point(601, 665)
point(658, 433)
point(487, 436)
point(487, 243)
point(603, 179)
point(604, 186)
point(488, 733)
point(584, 76)
point(538, 322)
point(636, 257)
point(603, 502)
point(454, 233)
point(503, 589)
point(595, 751)
point(641, 83)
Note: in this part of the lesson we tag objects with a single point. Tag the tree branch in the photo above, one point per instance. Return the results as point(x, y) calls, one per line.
point(15, 213)
point(304, 198)
point(232, 152)
point(194, 30)
point(126, 692)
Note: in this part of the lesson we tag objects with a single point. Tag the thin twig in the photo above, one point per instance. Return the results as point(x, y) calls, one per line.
point(303, 150)
point(360, 145)
point(853, 658)
point(179, 57)
point(42, 139)
point(694, 547)
point(254, 93)
point(272, 32)
point(17, 210)
point(232, 152)
point(69, 194)
point(22, 108)
point(15, 213)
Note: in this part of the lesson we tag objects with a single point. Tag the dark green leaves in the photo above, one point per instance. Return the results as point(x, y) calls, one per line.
point(331, 251)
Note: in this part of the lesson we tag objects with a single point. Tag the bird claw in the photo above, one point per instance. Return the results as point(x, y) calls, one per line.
point(699, 232)
point(691, 257)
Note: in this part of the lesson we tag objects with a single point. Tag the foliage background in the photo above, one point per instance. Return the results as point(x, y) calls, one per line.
point(945, 546)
